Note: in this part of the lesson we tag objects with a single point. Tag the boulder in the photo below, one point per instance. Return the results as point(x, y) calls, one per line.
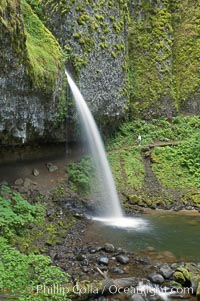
point(122, 259)
point(81, 257)
point(179, 277)
point(117, 270)
point(51, 167)
point(156, 278)
point(109, 248)
point(36, 172)
point(103, 260)
point(166, 271)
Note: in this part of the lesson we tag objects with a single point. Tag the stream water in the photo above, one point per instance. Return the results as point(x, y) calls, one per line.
point(173, 236)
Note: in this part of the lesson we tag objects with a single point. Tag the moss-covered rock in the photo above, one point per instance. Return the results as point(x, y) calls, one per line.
point(32, 88)
point(179, 277)
point(93, 35)
point(164, 60)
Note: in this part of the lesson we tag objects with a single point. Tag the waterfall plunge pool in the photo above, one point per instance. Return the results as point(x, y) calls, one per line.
point(171, 235)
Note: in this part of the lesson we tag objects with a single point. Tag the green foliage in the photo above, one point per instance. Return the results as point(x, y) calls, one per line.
point(179, 166)
point(16, 213)
point(177, 129)
point(44, 53)
point(128, 169)
point(20, 273)
point(80, 175)
point(175, 167)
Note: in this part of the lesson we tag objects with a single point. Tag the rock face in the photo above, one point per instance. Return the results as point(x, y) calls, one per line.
point(94, 36)
point(29, 97)
point(153, 71)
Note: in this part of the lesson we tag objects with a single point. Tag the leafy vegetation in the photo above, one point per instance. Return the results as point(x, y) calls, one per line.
point(16, 214)
point(21, 273)
point(80, 175)
point(128, 169)
point(175, 167)
point(179, 167)
point(177, 129)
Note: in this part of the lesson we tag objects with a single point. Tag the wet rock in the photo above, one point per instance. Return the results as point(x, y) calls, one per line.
point(79, 215)
point(179, 277)
point(81, 257)
point(92, 250)
point(85, 262)
point(51, 167)
point(109, 248)
point(156, 278)
point(154, 298)
point(85, 269)
point(19, 182)
point(55, 256)
point(122, 259)
point(166, 271)
point(36, 172)
point(103, 260)
point(136, 297)
point(117, 270)
point(143, 261)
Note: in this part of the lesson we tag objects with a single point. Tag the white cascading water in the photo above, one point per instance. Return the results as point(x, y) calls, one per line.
point(112, 213)
point(111, 205)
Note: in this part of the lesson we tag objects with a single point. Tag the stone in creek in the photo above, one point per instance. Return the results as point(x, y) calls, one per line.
point(122, 259)
point(92, 250)
point(36, 172)
point(51, 167)
point(103, 260)
point(109, 248)
point(80, 257)
point(166, 271)
point(85, 262)
point(157, 278)
point(117, 270)
point(85, 269)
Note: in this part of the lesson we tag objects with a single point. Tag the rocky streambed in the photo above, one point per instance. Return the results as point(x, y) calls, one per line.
point(156, 275)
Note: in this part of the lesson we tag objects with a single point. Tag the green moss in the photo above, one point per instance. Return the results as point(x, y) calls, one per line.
point(128, 169)
point(164, 53)
point(150, 55)
point(186, 51)
point(44, 53)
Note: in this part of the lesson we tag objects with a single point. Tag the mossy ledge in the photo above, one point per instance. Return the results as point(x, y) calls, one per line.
point(44, 53)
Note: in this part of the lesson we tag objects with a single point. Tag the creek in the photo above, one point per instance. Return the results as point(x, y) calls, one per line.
point(175, 235)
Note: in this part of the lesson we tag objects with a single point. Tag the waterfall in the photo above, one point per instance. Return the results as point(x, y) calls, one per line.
point(109, 196)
